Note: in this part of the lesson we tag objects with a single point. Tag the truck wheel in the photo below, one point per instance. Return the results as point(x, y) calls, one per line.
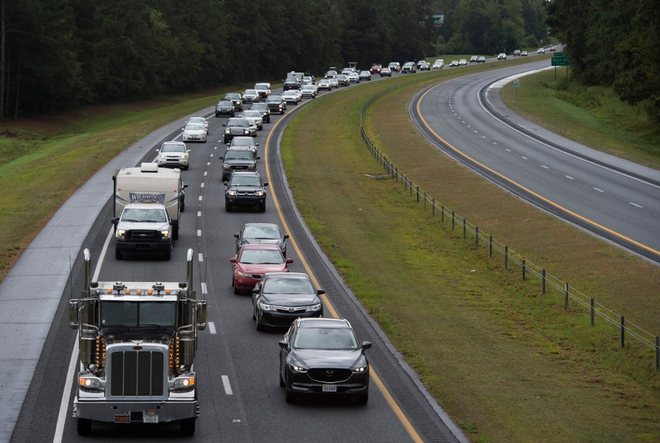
point(168, 255)
point(188, 427)
point(175, 232)
point(262, 207)
point(119, 255)
point(84, 426)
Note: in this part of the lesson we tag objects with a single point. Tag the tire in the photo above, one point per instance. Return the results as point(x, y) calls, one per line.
point(362, 399)
point(258, 322)
point(84, 426)
point(183, 204)
point(188, 427)
point(282, 384)
point(119, 256)
point(168, 255)
point(290, 397)
point(262, 207)
point(175, 232)
point(233, 285)
point(227, 206)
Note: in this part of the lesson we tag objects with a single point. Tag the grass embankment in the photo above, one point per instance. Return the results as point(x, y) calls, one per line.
point(43, 162)
point(592, 116)
point(507, 363)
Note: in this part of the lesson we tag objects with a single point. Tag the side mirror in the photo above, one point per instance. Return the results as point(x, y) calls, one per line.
point(73, 314)
point(188, 151)
point(283, 344)
point(265, 183)
point(320, 291)
point(233, 260)
point(236, 235)
point(366, 345)
point(201, 314)
point(224, 124)
point(258, 158)
point(114, 221)
point(256, 144)
point(185, 185)
point(286, 236)
point(289, 260)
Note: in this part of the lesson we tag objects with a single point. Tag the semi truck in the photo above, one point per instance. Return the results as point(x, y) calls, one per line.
point(137, 343)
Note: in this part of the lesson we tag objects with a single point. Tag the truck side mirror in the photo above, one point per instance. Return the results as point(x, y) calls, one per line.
point(114, 221)
point(73, 314)
point(201, 314)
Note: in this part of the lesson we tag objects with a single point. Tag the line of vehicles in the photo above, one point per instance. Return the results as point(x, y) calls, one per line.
point(138, 339)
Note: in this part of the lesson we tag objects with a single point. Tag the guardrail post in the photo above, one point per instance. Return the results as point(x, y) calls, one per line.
point(411, 187)
point(592, 312)
point(476, 236)
point(417, 191)
point(543, 281)
point(657, 353)
point(433, 206)
point(424, 201)
point(623, 332)
point(453, 220)
point(405, 183)
point(565, 296)
point(506, 257)
point(442, 212)
point(490, 246)
point(524, 267)
point(464, 228)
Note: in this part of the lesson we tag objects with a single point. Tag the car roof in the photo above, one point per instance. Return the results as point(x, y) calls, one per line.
point(288, 275)
point(261, 224)
point(322, 322)
point(261, 246)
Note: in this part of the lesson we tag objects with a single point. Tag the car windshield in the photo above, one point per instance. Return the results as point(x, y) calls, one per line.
point(250, 180)
point(239, 155)
point(325, 338)
point(225, 103)
point(251, 114)
point(308, 88)
point(288, 286)
point(233, 96)
point(242, 141)
point(262, 232)
point(172, 147)
point(237, 122)
point(261, 257)
point(144, 215)
point(274, 98)
point(261, 87)
point(194, 127)
point(250, 92)
point(260, 106)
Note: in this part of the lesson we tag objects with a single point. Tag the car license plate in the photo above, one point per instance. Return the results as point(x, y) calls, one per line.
point(329, 388)
point(150, 418)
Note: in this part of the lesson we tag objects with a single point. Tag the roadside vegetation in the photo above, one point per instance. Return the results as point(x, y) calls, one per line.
point(507, 363)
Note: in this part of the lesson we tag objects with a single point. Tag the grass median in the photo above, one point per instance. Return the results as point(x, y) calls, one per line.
point(507, 363)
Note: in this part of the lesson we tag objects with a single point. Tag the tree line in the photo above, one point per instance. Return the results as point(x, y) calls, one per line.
point(613, 43)
point(62, 54)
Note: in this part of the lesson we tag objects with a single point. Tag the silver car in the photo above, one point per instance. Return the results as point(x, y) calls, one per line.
point(255, 118)
point(194, 132)
point(173, 154)
point(250, 96)
point(308, 91)
point(201, 120)
point(291, 96)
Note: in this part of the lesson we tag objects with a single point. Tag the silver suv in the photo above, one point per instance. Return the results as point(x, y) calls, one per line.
point(174, 154)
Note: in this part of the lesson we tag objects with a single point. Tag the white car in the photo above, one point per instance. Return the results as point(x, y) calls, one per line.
point(501, 56)
point(438, 64)
point(255, 118)
point(394, 66)
point(173, 154)
point(199, 120)
point(354, 77)
point(251, 96)
point(291, 96)
point(194, 132)
point(334, 82)
point(462, 62)
point(453, 64)
point(324, 84)
point(541, 51)
point(308, 91)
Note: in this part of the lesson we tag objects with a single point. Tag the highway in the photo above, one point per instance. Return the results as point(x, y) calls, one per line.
point(237, 367)
point(616, 199)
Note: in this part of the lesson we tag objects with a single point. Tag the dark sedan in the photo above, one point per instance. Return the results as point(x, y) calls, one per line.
point(236, 99)
point(225, 107)
point(280, 298)
point(261, 233)
point(322, 356)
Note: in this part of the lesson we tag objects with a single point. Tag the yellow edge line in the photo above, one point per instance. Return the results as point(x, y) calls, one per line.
point(551, 203)
point(381, 387)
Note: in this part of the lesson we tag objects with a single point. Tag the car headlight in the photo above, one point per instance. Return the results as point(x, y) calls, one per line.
point(165, 233)
point(224, 166)
point(266, 306)
point(121, 233)
point(183, 383)
point(231, 193)
point(184, 156)
point(297, 368)
point(227, 131)
point(360, 369)
point(260, 193)
point(90, 383)
point(246, 131)
point(314, 308)
point(163, 156)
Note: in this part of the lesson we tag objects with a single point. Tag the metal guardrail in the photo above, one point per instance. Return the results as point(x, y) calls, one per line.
point(511, 258)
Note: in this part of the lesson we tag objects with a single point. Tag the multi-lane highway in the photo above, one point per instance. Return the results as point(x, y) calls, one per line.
point(614, 198)
point(237, 366)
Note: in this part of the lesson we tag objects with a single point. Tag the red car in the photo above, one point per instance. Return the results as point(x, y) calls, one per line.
point(253, 261)
point(375, 68)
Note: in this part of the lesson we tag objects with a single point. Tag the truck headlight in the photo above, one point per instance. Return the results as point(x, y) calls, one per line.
point(227, 131)
point(121, 233)
point(260, 193)
point(231, 193)
point(90, 383)
point(165, 234)
point(185, 382)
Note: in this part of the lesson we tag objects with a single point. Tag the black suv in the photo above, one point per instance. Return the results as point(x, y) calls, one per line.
point(263, 108)
point(224, 107)
point(236, 99)
point(245, 189)
point(238, 160)
point(276, 104)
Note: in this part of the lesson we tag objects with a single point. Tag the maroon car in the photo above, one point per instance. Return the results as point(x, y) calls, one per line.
point(375, 69)
point(252, 262)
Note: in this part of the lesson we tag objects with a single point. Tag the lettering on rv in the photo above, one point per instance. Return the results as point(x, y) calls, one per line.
point(146, 198)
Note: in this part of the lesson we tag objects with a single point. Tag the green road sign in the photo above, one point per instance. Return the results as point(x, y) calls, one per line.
point(559, 61)
point(559, 54)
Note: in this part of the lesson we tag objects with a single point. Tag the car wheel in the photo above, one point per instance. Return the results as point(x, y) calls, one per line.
point(257, 320)
point(362, 399)
point(290, 397)
point(282, 384)
point(119, 255)
point(168, 255)
point(262, 207)
point(233, 285)
point(84, 426)
point(225, 140)
point(227, 207)
point(188, 426)
point(175, 233)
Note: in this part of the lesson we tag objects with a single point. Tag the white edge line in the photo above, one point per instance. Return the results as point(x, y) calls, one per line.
point(68, 385)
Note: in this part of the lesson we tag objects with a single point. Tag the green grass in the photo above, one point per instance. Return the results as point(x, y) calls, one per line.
point(593, 116)
point(507, 363)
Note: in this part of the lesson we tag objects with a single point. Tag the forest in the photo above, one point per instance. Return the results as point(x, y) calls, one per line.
point(57, 55)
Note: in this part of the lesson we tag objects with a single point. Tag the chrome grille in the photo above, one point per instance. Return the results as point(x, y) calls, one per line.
point(137, 374)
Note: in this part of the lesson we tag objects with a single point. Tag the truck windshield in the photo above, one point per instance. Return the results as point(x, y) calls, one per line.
point(133, 314)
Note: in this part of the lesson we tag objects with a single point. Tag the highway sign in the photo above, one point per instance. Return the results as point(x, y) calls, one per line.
point(559, 54)
point(559, 61)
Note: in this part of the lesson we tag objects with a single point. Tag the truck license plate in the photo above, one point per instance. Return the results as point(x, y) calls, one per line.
point(329, 388)
point(150, 418)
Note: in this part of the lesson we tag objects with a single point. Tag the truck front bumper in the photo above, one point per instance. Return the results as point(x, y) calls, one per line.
point(135, 411)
